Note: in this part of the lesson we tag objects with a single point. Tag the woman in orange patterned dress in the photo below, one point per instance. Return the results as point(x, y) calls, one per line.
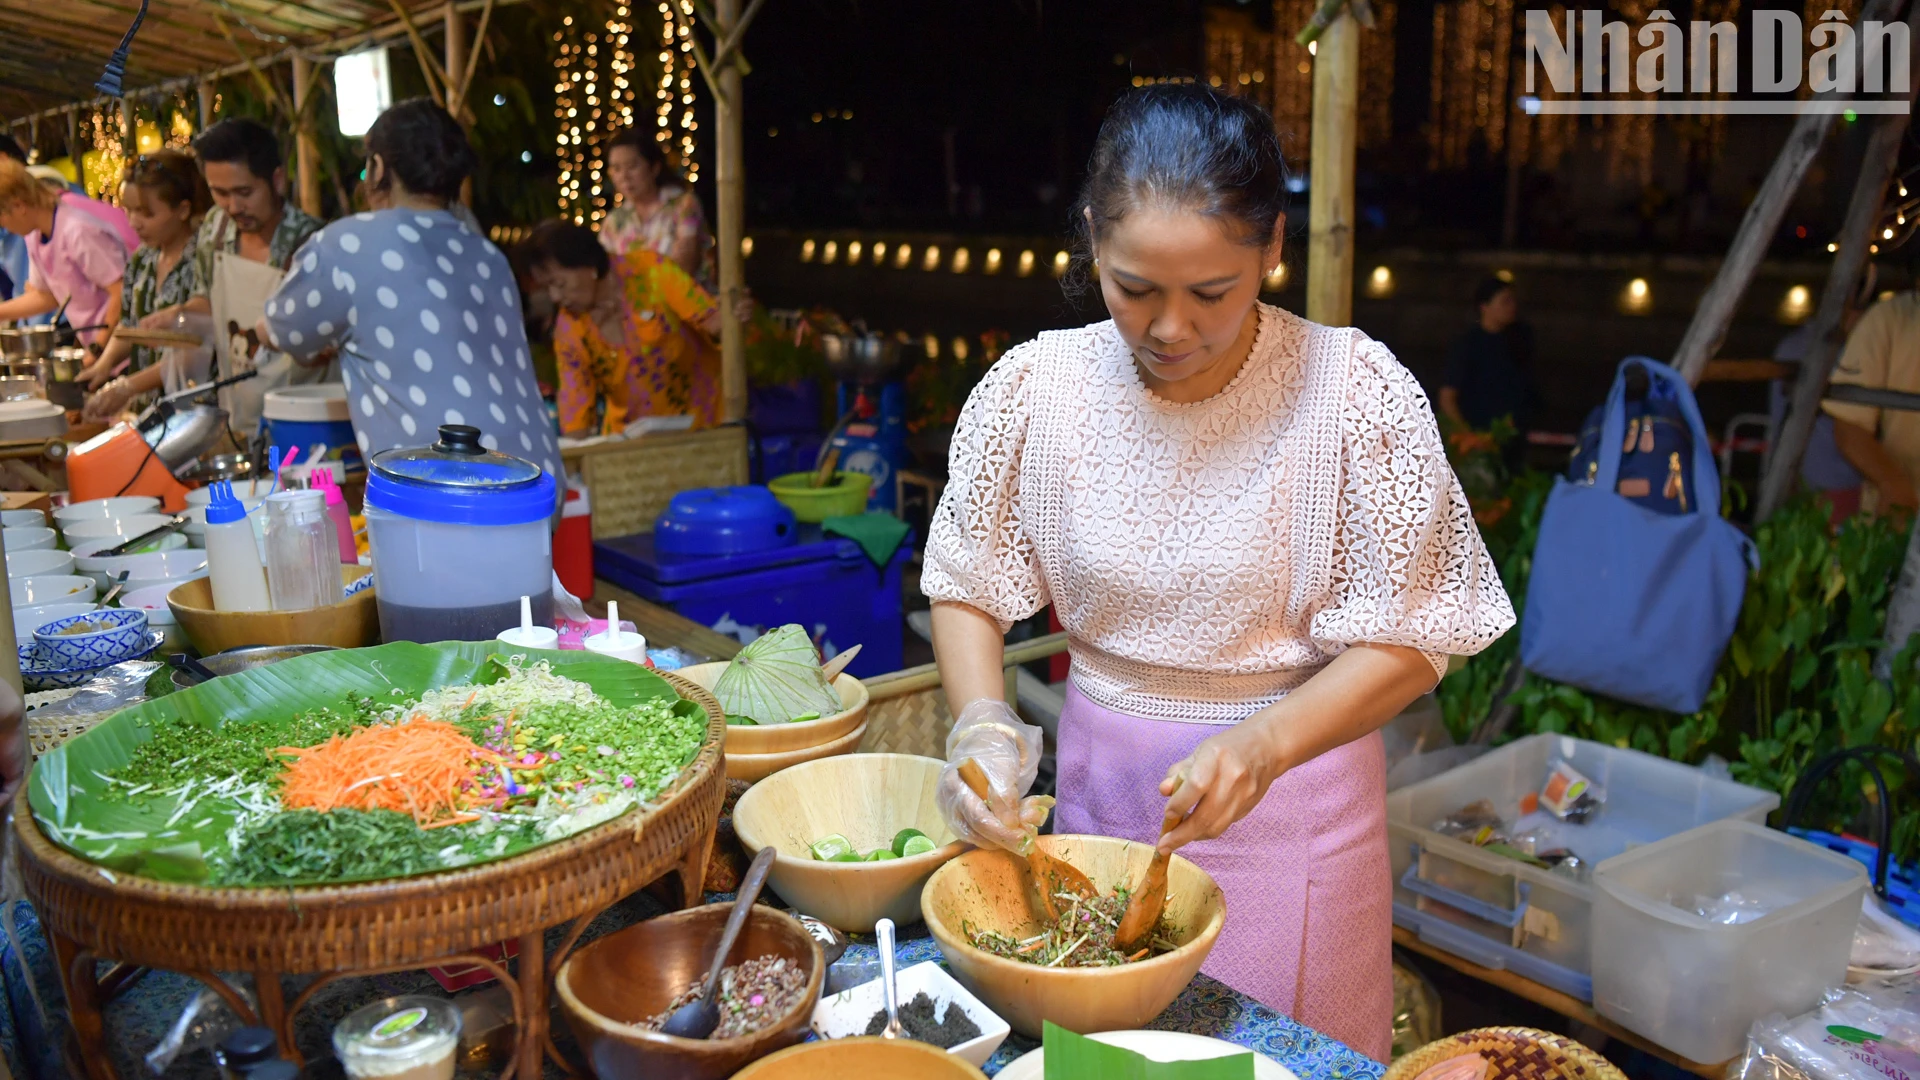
point(634, 333)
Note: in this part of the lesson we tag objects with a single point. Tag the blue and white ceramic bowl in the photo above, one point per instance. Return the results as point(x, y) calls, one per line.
point(39, 673)
point(122, 636)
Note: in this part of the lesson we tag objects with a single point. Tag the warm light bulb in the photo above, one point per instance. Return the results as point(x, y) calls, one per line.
point(831, 252)
point(962, 259)
point(902, 255)
point(992, 265)
point(1025, 266)
point(879, 252)
point(853, 252)
point(931, 261)
point(806, 251)
point(746, 247)
point(1061, 260)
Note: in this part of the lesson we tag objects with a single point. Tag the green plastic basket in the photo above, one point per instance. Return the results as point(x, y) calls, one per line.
point(847, 494)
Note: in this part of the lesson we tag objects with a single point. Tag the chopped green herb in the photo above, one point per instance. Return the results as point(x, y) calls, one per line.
point(237, 748)
point(307, 845)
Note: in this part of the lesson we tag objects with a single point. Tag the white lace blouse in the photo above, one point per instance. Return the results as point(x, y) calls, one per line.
point(1207, 558)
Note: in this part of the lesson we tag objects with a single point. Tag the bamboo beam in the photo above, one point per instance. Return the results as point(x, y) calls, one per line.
point(1869, 199)
point(1710, 320)
point(306, 148)
point(454, 45)
point(1330, 220)
point(473, 53)
point(730, 194)
point(204, 91)
point(129, 131)
point(430, 69)
point(268, 86)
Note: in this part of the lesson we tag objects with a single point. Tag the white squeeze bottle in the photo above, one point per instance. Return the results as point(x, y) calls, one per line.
point(233, 559)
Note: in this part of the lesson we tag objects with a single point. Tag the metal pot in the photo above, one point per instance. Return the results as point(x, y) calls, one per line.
point(179, 434)
point(65, 364)
point(869, 359)
point(26, 342)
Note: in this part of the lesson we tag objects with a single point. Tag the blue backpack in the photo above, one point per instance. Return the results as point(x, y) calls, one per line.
point(1656, 455)
point(1634, 595)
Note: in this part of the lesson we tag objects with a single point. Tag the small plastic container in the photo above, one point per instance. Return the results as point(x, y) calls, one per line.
point(1695, 985)
point(458, 534)
point(238, 575)
point(528, 635)
point(303, 560)
point(1505, 914)
point(403, 1038)
point(615, 643)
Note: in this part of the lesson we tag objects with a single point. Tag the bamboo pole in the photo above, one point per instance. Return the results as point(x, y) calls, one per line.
point(129, 133)
point(730, 194)
point(204, 90)
point(1816, 368)
point(306, 148)
point(454, 44)
point(1715, 313)
point(1336, 103)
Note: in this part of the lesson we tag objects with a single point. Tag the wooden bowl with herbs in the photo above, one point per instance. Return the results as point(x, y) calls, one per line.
point(616, 991)
point(850, 809)
point(977, 908)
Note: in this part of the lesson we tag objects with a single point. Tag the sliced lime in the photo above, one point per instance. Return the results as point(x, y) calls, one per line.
point(902, 838)
point(831, 847)
point(880, 855)
point(916, 845)
point(848, 856)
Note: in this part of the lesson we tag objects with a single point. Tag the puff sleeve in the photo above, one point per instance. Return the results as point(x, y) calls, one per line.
point(979, 552)
point(1408, 565)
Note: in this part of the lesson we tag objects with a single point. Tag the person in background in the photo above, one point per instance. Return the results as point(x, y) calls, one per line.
point(656, 211)
point(634, 330)
point(1882, 352)
point(77, 247)
point(13, 246)
point(1490, 367)
point(165, 198)
point(424, 311)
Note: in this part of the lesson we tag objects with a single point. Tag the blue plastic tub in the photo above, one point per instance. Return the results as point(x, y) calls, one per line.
point(823, 583)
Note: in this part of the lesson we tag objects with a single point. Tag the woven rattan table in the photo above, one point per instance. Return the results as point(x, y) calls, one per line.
point(429, 921)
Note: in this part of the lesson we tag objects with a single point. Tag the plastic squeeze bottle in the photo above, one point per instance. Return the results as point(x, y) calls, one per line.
point(323, 482)
point(303, 560)
point(233, 559)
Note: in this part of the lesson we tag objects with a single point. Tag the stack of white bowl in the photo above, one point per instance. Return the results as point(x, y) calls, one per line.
point(251, 493)
point(40, 579)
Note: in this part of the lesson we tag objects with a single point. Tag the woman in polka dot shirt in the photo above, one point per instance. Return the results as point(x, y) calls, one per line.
point(425, 311)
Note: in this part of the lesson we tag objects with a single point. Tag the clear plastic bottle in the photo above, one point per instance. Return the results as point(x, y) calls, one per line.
point(303, 552)
point(324, 483)
point(233, 558)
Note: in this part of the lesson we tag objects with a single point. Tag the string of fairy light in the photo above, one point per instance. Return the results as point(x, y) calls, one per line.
point(676, 86)
point(593, 98)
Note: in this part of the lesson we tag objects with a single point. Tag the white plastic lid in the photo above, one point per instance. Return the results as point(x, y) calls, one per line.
point(531, 637)
point(317, 404)
point(300, 501)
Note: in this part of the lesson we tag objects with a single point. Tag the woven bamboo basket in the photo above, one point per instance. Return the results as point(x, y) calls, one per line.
point(1512, 1053)
point(378, 925)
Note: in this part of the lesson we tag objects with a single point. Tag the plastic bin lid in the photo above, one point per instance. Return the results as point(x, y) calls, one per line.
point(724, 521)
point(640, 555)
point(458, 481)
point(317, 404)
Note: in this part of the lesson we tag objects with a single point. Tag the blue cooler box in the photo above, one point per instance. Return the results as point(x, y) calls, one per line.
point(824, 583)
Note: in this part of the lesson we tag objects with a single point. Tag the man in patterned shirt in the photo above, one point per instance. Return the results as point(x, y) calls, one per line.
point(248, 239)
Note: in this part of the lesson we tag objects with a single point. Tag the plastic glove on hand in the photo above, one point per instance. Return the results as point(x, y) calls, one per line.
point(1007, 751)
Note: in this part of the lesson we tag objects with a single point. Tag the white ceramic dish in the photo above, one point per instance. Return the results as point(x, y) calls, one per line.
point(195, 530)
point(28, 619)
point(177, 560)
point(1159, 1046)
point(51, 589)
point(122, 528)
point(16, 519)
point(30, 538)
point(105, 509)
point(153, 600)
point(136, 584)
point(847, 1013)
point(36, 563)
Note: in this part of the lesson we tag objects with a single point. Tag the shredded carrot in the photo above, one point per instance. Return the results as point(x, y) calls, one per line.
point(417, 767)
point(457, 819)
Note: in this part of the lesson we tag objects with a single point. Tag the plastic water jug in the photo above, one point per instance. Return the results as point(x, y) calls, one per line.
point(458, 534)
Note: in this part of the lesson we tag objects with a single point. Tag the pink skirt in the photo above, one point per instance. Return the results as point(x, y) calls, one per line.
point(1309, 928)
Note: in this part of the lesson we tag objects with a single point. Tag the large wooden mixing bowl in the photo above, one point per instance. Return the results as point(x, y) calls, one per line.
point(867, 798)
point(988, 890)
point(351, 624)
point(861, 1057)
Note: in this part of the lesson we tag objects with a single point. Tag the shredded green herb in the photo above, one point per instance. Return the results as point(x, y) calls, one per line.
point(181, 748)
point(307, 845)
point(641, 748)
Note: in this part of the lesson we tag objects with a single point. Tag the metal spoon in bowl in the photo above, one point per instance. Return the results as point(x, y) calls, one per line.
point(118, 584)
point(697, 1018)
point(884, 930)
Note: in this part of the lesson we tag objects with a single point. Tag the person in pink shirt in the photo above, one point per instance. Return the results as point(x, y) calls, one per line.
point(78, 248)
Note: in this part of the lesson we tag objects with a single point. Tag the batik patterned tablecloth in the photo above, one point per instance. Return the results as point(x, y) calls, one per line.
point(140, 1017)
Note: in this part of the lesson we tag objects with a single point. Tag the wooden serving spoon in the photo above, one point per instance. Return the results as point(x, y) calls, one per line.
point(1149, 898)
point(1050, 875)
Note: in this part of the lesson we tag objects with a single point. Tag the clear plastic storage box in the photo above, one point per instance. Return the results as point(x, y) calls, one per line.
point(1502, 913)
point(1698, 936)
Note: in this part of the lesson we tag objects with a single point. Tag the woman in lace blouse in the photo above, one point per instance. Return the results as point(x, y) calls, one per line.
point(1247, 524)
